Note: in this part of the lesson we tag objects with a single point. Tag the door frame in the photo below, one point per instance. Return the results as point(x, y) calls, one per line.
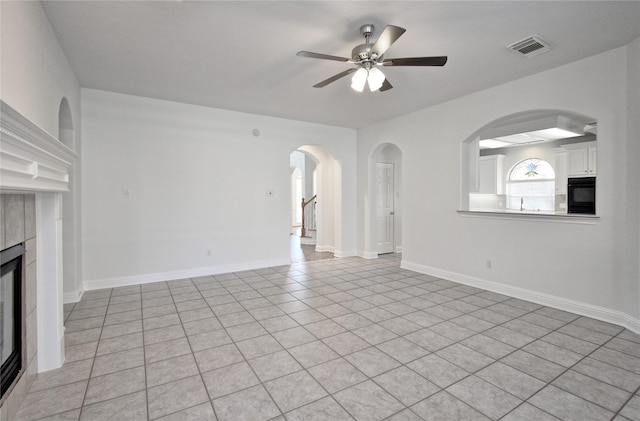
point(385, 153)
point(379, 165)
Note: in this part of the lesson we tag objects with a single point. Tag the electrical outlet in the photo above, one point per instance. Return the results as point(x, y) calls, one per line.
point(208, 253)
point(489, 264)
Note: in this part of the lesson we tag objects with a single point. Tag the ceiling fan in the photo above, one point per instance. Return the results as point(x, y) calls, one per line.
point(368, 57)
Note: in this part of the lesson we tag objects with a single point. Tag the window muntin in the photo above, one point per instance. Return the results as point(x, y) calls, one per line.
point(532, 169)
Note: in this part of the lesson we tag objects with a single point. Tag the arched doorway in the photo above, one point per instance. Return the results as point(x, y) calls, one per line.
point(385, 205)
point(72, 284)
point(315, 179)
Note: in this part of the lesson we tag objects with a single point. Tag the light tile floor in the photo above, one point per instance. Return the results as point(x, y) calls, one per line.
point(300, 252)
point(337, 339)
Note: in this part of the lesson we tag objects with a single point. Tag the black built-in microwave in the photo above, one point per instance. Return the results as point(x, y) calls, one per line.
point(581, 195)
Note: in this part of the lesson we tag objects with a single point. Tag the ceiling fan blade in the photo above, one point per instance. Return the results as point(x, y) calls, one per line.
point(385, 86)
point(388, 36)
point(321, 56)
point(334, 78)
point(416, 61)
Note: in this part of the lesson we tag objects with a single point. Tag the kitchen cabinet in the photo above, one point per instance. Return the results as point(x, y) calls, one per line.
point(490, 174)
point(581, 161)
point(592, 161)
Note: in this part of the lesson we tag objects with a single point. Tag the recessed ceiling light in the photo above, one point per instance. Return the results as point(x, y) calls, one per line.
point(493, 144)
point(554, 133)
point(520, 138)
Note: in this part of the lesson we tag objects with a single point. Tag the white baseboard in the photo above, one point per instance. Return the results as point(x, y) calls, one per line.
point(179, 274)
point(344, 253)
point(322, 249)
point(367, 254)
point(577, 307)
point(72, 297)
point(374, 254)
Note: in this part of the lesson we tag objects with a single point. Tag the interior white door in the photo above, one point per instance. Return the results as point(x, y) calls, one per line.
point(384, 207)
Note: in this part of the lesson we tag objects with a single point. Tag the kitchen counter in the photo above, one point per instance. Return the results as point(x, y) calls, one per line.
point(554, 216)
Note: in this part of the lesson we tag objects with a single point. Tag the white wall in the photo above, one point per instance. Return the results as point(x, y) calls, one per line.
point(632, 252)
point(309, 168)
point(575, 265)
point(36, 76)
point(35, 72)
point(198, 180)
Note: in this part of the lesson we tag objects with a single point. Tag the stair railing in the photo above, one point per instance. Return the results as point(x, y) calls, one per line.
point(308, 214)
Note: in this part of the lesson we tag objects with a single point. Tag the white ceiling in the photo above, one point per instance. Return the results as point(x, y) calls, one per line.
point(241, 55)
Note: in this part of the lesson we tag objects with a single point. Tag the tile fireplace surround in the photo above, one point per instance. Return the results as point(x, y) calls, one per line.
point(18, 226)
point(335, 339)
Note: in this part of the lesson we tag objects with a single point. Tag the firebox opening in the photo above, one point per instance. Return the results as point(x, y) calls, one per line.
point(11, 315)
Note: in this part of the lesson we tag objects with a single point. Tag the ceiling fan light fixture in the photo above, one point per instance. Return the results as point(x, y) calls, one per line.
point(359, 79)
point(376, 79)
point(369, 55)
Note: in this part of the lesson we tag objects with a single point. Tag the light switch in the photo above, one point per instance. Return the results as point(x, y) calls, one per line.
point(126, 193)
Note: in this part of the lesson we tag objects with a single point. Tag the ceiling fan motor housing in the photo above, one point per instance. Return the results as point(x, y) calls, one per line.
point(361, 52)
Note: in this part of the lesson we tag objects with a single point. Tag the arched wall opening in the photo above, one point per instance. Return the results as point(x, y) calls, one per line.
point(303, 187)
point(326, 183)
point(567, 140)
point(383, 233)
point(65, 124)
point(71, 266)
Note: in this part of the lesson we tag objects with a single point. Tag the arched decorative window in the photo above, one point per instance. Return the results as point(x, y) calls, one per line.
point(531, 186)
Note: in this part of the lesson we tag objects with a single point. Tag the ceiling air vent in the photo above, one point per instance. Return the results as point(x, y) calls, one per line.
point(531, 46)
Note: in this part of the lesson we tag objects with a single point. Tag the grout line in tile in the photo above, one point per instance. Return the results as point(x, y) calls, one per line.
point(144, 358)
point(93, 362)
point(317, 276)
point(637, 391)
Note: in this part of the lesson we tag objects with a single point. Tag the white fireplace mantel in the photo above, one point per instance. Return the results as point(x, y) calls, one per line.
point(31, 160)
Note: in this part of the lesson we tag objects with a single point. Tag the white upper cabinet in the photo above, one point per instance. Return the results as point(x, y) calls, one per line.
point(581, 161)
point(578, 162)
point(593, 156)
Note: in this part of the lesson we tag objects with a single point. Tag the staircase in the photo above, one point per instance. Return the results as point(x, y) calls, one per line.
point(308, 216)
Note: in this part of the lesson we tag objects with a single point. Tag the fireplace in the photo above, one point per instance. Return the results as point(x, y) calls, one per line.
point(33, 176)
point(11, 312)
